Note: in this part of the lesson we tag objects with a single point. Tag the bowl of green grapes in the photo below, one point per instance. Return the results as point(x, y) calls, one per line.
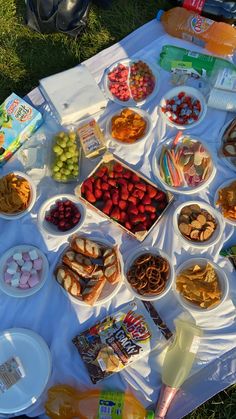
point(65, 157)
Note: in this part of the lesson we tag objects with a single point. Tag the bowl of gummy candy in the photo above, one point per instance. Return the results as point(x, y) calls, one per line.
point(131, 82)
point(183, 107)
point(61, 215)
point(23, 271)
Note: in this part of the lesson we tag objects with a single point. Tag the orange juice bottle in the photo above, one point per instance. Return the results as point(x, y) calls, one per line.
point(64, 402)
point(217, 37)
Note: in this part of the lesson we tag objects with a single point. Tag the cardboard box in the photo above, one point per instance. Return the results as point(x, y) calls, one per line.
point(18, 120)
point(109, 159)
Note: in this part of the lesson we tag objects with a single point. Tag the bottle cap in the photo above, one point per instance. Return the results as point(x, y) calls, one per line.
point(159, 15)
point(150, 414)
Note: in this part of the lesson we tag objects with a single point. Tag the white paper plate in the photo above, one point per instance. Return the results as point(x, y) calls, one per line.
point(182, 190)
point(18, 292)
point(36, 360)
point(215, 236)
point(227, 160)
point(108, 291)
point(223, 185)
point(143, 114)
point(223, 280)
point(190, 91)
point(131, 102)
point(51, 229)
point(138, 251)
point(31, 201)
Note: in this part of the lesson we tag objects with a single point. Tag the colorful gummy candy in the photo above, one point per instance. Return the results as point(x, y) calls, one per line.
point(182, 109)
point(185, 164)
point(135, 81)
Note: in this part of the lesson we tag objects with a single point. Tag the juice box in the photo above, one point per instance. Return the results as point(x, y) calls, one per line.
point(18, 120)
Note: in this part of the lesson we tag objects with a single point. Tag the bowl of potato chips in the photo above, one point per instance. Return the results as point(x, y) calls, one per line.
point(201, 285)
point(17, 195)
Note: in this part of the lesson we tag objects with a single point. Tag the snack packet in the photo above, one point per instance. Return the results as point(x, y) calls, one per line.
point(230, 253)
point(120, 339)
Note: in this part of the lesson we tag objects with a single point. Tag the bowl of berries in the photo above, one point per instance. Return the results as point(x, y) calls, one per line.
point(61, 215)
point(183, 107)
point(131, 82)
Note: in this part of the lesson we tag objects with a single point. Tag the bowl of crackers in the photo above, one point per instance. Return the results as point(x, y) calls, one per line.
point(198, 224)
point(17, 195)
point(225, 200)
point(201, 285)
point(149, 273)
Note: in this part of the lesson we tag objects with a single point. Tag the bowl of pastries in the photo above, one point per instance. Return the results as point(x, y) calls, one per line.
point(17, 195)
point(201, 285)
point(89, 270)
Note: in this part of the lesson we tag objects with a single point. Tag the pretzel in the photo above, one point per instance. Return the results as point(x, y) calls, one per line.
point(86, 247)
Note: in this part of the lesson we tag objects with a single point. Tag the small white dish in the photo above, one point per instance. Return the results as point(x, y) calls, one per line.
point(52, 229)
point(18, 292)
point(229, 161)
point(223, 185)
point(215, 236)
point(147, 131)
point(32, 199)
point(190, 91)
point(184, 190)
point(223, 281)
point(128, 62)
point(139, 251)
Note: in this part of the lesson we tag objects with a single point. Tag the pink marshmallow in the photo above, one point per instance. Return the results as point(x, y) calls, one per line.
point(9, 260)
point(24, 286)
point(24, 278)
point(34, 280)
point(7, 277)
point(26, 256)
point(37, 264)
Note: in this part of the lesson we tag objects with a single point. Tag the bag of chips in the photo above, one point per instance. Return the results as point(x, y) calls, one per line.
point(230, 253)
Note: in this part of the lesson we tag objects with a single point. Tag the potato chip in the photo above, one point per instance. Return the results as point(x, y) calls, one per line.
point(14, 194)
point(128, 126)
point(199, 285)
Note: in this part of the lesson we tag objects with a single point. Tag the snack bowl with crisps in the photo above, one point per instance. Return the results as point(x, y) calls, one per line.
point(198, 224)
point(129, 126)
point(17, 195)
point(200, 285)
point(149, 273)
point(225, 200)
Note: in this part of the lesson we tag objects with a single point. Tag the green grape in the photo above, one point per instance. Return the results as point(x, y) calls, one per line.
point(68, 155)
point(66, 172)
point(70, 167)
point(56, 169)
point(57, 149)
point(75, 172)
point(61, 134)
point(59, 163)
point(63, 157)
point(57, 176)
point(75, 159)
point(63, 177)
point(72, 136)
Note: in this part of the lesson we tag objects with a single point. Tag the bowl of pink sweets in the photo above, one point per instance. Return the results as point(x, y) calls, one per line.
point(23, 271)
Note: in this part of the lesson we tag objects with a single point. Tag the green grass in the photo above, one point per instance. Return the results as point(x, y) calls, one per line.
point(25, 57)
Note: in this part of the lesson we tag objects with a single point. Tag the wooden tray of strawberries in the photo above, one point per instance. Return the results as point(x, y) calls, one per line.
point(124, 196)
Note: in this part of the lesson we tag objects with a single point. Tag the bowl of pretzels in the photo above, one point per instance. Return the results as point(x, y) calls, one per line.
point(149, 273)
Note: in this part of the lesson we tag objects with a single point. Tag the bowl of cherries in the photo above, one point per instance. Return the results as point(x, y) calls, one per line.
point(61, 215)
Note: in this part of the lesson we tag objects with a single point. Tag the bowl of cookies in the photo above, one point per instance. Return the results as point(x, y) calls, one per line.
point(200, 285)
point(225, 200)
point(149, 273)
point(198, 224)
point(17, 195)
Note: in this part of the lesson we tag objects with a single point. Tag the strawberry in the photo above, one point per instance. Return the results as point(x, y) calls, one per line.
point(105, 178)
point(160, 196)
point(118, 168)
point(138, 193)
point(130, 187)
point(104, 186)
point(135, 178)
point(97, 183)
point(153, 216)
point(122, 204)
point(132, 209)
point(123, 216)
point(141, 186)
point(106, 195)
point(111, 175)
point(133, 199)
point(92, 178)
point(128, 225)
point(139, 227)
point(101, 172)
point(135, 219)
point(124, 193)
point(123, 182)
point(150, 208)
point(151, 191)
point(88, 185)
point(90, 196)
point(141, 208)
point(115, 197)
point(112, 182)
point(127, 174)
point(107, 207)
point(115, 213)
point(98, 193)
point(146, 200)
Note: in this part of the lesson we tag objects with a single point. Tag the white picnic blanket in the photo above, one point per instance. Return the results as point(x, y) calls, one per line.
point(58, 320)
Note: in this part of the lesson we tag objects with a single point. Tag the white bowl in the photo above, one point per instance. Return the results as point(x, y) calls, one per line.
point(223, 185)
point(190, 91)
point(18, 292)
point(184, 190)
point(32, 200)
point(154, 251)
point(131, 102)
point(223, 280)
point(108, 291)
point(52, 229)
point(147, 131)
point(227, 160)
point(215, 236)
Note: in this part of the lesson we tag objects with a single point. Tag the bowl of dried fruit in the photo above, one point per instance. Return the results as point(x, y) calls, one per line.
point(198, 224)
point(200, 285)
point(225, 200)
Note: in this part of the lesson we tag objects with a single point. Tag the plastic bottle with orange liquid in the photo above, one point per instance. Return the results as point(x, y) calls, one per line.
point(217, 37)
point(64, 402)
